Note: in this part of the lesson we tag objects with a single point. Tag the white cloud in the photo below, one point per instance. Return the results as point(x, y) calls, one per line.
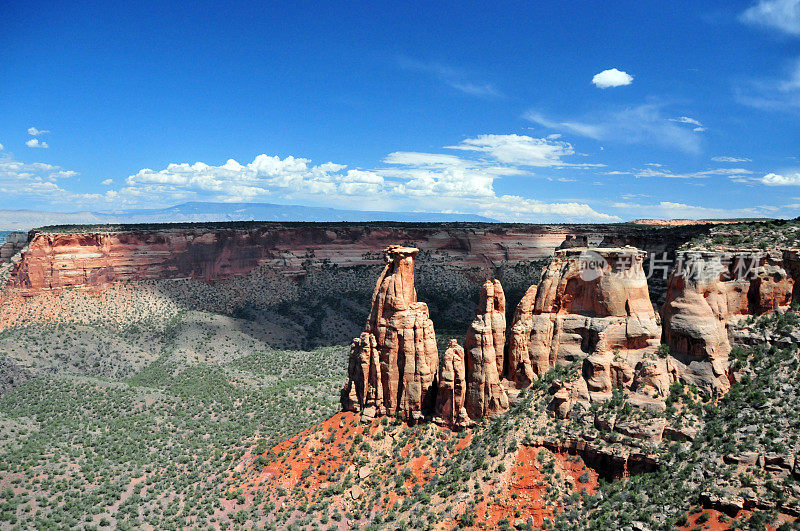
point(731, 172)
point(36, 132)
point(35, 185)
point(454, 77)
point(1, 147)
point(772, 94)
point(731, 159)
point(686, 120)
point(698, 127)
point(405, 181)
point(643, 124)
point(612, 78)
point(675, 210)
point(783, 15)
point(415, 181)
point(34, 143)
point(519, 149)
point(774, 179)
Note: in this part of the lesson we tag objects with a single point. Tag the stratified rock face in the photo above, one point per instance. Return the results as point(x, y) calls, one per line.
point(706, 292)
point(589, 304)
point(95, 259)
point(450, 409)
point(393, 364)
point(15, 242)
point(485, 351)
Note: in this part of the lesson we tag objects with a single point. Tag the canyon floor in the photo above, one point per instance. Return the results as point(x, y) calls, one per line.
point(181, 403)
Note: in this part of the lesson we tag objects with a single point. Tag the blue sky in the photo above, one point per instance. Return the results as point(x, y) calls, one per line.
point(540, 112)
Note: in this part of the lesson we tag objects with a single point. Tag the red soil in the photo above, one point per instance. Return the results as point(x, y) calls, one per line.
point(524, 495)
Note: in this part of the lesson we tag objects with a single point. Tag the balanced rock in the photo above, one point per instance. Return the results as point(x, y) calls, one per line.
point(393, 364)
point(485, 351)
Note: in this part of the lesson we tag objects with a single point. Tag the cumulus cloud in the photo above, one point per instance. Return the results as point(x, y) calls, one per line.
point(731, 159)
point(37, 185)
point(782, 15)
point(408, 181)
point(35, 143)
point(36, 132)
point(642, 124)
point(774, 179)
point(612, 78)
point(404, 181)
point(1, 147)
point(412, 181)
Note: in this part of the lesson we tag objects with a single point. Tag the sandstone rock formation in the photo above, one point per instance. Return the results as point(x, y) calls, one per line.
point(709, 291)
point(450, 409)
point(590, 305)
point(15, 242)
point(93, 258)
point(393, 364)
point(485, 351)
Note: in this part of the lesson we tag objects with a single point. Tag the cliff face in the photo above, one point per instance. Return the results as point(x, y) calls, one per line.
point(589, 304)
point(15, 242)
point(709, 292)
point(93, 260)
point(394, 363)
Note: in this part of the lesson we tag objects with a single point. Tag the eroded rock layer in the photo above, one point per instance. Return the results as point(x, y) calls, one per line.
point(485, 351)
point(95, 257)
point(450, 408)
point(394, 363)
point(588, 304)
point(708, 292)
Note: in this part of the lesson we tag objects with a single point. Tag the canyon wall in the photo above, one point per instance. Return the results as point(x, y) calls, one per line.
point(93, 258)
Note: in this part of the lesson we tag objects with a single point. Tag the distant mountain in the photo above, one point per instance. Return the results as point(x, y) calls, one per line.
point(199, 212)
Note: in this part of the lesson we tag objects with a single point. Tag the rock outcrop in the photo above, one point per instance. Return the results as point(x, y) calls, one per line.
point(450, 409)
point(708, 293)
point(590, 305)
point(393, 364)
point(485, 351)
point(15, 242)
